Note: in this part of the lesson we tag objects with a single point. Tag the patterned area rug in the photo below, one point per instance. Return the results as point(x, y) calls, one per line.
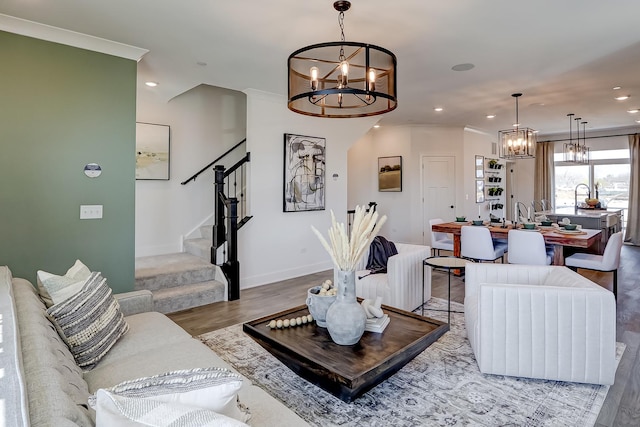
point(442, 386)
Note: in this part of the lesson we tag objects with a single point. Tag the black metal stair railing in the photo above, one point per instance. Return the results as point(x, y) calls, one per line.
point(230, 203)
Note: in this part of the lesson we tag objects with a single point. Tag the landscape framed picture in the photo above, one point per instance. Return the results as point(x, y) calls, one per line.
point(304, 173)
point(390, 173)
point(152, 151)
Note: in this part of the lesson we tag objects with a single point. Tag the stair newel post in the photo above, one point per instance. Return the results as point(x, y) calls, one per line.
point(232, 265)
point(218, 212)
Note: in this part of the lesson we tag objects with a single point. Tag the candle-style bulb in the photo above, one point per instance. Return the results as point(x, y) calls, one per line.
point(314, 78)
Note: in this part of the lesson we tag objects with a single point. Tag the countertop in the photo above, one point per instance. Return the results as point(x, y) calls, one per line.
point(591, 213)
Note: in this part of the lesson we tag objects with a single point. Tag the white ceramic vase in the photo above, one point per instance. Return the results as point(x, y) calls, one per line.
point(346, 319)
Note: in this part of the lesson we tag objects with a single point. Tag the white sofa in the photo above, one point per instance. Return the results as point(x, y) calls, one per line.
point(401, 286)
point(542, 322)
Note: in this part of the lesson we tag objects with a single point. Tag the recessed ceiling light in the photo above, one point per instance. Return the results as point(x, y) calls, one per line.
point(463, 67)
point(151, 84)
point(622, 98)
point(633, 111)
point(637, 121)
point(617, 88)
point(438, 109)
point(376, 126)
point(491, 116)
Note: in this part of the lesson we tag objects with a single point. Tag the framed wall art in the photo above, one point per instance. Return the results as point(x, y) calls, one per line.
point(479, 191)
point(479, 167)
point(304, 173)
point(390, 173)
point(152, 151)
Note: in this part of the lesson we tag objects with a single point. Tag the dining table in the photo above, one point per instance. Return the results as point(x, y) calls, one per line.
point(553, 235)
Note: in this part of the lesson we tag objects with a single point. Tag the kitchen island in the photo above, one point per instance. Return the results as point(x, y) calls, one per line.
point(607, 220)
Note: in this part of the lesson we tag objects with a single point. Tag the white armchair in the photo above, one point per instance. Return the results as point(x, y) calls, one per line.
point(543, 322)
point(401, 286)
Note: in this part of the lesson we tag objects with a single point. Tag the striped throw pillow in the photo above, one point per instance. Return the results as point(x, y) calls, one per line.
point(90, 322)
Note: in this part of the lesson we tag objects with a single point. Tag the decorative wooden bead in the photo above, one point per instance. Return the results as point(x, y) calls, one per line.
point(309, 318)
point(304, 320)
point(298, 320)
point(272, 324)
point(279, 323)
point(285, 323)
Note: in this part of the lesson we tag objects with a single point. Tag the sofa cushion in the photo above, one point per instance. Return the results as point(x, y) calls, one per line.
point(56, 390)
point(212, 388)
point(13, 400)
point(54, 289)
point(566, 278)
point(90, 322)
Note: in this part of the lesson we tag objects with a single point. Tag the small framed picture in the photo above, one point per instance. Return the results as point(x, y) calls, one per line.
point(390, 173)
point(479, 167)
point(479, 191)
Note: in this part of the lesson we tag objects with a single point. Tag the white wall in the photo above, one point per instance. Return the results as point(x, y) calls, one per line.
point(403, 209)
point(275, 245)
point(205, 122)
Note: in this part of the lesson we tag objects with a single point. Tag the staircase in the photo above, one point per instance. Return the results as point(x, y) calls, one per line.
point(202, 275)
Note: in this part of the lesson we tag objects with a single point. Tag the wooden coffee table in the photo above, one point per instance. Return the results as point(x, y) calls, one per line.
point(346, 371)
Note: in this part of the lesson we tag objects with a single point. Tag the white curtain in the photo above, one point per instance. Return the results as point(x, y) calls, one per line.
point(632, 233)
point(544, 172)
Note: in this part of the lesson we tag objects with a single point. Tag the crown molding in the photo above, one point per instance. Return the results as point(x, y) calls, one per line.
point(36, 30)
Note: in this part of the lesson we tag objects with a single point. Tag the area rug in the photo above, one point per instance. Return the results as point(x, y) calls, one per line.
point(442, 386)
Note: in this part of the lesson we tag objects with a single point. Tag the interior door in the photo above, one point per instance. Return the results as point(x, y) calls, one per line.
point(438, 191)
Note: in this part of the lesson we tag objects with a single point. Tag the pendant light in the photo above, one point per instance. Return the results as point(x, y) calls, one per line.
point(517, 143)
point(570, 149)
point(342, 79)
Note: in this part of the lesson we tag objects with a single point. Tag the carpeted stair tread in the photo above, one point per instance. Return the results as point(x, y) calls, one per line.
point(178, 298)
point(165, 271)
point(199, 247)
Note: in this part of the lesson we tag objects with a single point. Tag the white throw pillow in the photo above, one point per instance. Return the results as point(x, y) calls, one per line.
point(213, 389)
point(54, 289)
point(113, 410)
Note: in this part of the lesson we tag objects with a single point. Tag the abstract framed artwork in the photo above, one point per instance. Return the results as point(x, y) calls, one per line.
point(152, 151)
point(304, 173)
point(390, 173)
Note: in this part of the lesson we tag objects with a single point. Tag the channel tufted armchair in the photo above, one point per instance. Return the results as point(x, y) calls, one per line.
point(401, 286)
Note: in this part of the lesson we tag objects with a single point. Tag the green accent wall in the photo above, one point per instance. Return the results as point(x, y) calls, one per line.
point(60, 108)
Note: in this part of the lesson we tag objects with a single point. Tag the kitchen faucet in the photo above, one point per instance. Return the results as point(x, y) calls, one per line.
point(575, 200)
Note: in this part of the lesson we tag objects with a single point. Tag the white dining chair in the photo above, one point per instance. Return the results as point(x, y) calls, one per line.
point(476, 244)
point(609, 261)
point(439, 241)
point(528, 248)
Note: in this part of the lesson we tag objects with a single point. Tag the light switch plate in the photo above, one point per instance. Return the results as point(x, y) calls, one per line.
point(90, 211)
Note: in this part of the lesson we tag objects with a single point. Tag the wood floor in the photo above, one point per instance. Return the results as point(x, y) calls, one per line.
point(622, 406)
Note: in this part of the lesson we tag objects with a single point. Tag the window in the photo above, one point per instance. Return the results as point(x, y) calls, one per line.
point(609, 169)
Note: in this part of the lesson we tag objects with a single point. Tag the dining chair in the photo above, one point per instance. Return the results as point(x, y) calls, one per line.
point(609, 261)
point(439, 241)
point(527, 247)
point(476, 244)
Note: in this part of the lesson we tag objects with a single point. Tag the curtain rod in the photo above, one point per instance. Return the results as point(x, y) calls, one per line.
point(590, 137)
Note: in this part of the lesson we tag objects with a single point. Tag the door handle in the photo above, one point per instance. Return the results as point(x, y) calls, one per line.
point(451, 206)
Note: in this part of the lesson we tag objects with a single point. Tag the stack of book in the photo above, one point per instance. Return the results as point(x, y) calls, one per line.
point(377, 324)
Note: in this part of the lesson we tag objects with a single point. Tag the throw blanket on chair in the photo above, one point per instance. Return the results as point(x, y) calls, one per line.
point(379, 252)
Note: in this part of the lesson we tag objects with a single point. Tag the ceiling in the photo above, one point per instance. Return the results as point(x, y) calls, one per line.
point(564, 56)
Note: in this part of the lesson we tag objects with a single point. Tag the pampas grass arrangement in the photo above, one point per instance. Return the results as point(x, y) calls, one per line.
point(346, 251)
